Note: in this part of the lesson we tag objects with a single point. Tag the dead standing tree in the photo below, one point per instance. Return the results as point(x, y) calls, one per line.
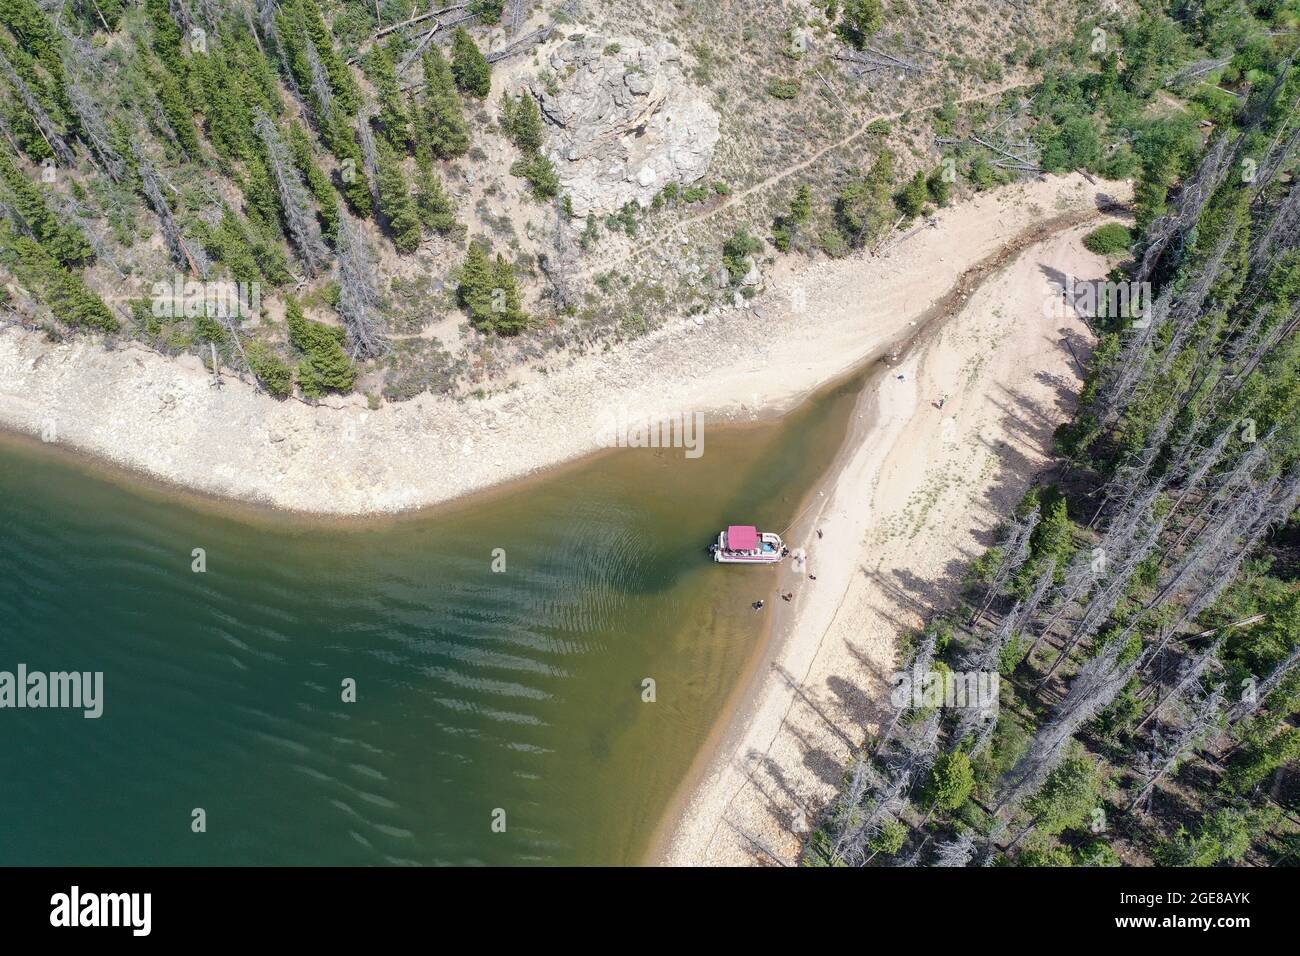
point(1098, 682)
point(1155, 764)
point(1132, 543)
point(914, 751)
point(516, 13)
point(295, 201)
point(50, 131)
point(370, 155)
point(878, 782)
point(91, 125)
point(1192, 197)
point(1015, 552)
point(1189, 673)
point(183, 256)
point(561, 266)
point(956, 852)
point(360, 303)
point(439, 25)
point(1252, 701)
point(322, 94)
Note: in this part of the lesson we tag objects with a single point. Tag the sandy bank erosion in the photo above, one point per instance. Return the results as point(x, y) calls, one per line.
point(915, 496)
point(162, 417)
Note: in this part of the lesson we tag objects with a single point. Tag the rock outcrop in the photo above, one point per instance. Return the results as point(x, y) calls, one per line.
point(623, 121)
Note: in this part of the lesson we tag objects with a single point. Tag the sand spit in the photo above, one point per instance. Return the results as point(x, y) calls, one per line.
point(914, 497)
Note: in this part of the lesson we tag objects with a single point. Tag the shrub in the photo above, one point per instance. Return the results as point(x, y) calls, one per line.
point(861, 19)
point(1108, 240)
point(783, 89)
point(273, 371)
point(541, 175)
point(735, 252)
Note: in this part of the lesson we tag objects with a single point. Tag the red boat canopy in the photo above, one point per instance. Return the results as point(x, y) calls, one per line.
point(742, 537)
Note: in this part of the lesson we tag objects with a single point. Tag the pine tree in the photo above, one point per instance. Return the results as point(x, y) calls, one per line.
point(433, 205)
point(471, 69)
point(509, 317)
point(396, 203)
point(442, 127)
point(327, 198)
point(355, 185)
point(227, 242)
point(178, 113)
point(488, 11)
point(939, 187)
point(324, 366)
point(394, 118)
point(304, 26)
point(272, 371)
point(912, 198)
point(489, 292)
point(801, 205)
point(864, 207)
point(63, 291)
point(540, 173)
point(1054, 535)
point(63, 240)
point(474, 291)
point(736, 252)
point(784, 228)
point(166, 39)
point(861, 19)
point(522, 120)
point(953, 780)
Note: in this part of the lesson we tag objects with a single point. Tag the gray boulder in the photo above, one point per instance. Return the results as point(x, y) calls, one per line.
point(624, 123)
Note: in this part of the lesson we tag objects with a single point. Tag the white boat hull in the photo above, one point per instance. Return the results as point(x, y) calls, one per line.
point(770, 550)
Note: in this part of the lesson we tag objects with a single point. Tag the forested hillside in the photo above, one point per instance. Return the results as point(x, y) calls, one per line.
point(372, 189)
point(1143, 607)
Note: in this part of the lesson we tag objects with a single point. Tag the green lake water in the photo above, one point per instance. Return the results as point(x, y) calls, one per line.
point(476, 690)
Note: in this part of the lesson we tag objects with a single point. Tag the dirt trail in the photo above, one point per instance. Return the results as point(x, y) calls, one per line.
point(738, 197)
point(913, 497)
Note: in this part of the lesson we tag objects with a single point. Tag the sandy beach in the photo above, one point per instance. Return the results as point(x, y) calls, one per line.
point(163, 418)
point(915, 495)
